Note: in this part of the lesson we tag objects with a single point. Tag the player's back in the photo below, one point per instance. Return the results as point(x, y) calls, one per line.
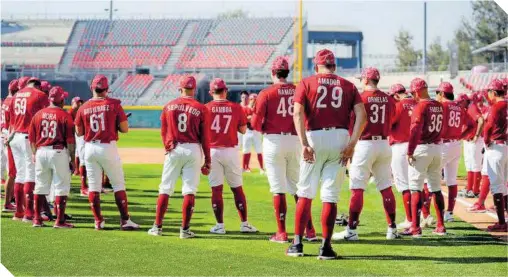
point(454, 119)
point(277, 104)
point(328, 99)
point(430, 112)
point(402, 120)
point(25, 104)
point(100, 118)
point(499, 113)
point(226, 117)
point(5, 110)
point(51, 127)
point(380, 110)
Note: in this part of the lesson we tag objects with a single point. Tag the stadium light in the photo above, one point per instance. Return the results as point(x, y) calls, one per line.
point(111, 10)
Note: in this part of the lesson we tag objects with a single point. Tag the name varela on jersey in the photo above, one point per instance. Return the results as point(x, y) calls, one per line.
point(328, 81)
point(378, 99)
point(286, 91)
point(436, 109)
point(96, 109)
point(225, 109)
point(184, 108)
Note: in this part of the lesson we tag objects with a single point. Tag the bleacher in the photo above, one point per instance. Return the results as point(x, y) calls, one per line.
point(120, 56)
point(479, 81)
point(226, 56)
point(132, 87)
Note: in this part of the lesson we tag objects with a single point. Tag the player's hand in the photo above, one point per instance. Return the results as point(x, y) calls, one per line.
point(475, 138)
point(347, 154)
point(411, 160)
point(308, 154)
point(205, 169)
point(33, 158)
point(128, 115)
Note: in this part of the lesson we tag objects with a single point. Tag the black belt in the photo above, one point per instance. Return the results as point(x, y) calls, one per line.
point(375, 138)
point(327, 129)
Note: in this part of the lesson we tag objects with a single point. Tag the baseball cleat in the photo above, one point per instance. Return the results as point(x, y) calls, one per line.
point(99, 225)
point(279, 238)
point(295, 250)
point(498, 228)
point(392, 233)
point(37, 223)
point(416, 232)
point(262, 171)
point(406, 232)
point(128, 225)
point(347, 234)
point(27, 219)
point(9, 208)
point(311, 235)
point(46, 217)
point(448, 217)
point(186, 234)
point(405, 224)
point(64, 225)
point(246, 170)
point(440, 231)
point(326, 253)
point(341, 220)
point(18, 217)
point(470, 194)
point(426, 222)
point(477, 208)
point(83, 192)
point(155, 231)
point(218, 229)
point(245, 227)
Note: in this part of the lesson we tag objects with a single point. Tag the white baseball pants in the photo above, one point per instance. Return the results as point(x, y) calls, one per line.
point(327, 145)
point(371, 156)
point(3, 159)
point(450, 161)
point(282, 155)
point(400, 166)
point(427, 166)
point(101, 157)
point(473, 155)
point(52, 168)
point(185, 160)
point(225, 164)
point(252, 138)
point(22, 154)
point(496, 160)
point(80, 148)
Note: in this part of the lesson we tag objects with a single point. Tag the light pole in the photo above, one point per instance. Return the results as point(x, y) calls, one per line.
point(424, 37)
point(111, 10)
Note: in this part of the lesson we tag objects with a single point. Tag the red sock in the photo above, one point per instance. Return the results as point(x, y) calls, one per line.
point(310, 225)
point(60, 203)
point(426, 201)
point(280, 206)
point(240, 202)
point(470, 180)
point(416, 206)
point(122, 204)
point(95, 203)
point(37, 206)
point(499, 204)
point(28, 190)
point(406, 197)
point(355, 207)
point(260, 160)
point(82, 173)
point(389, 205)
point(328, 215)
point(302, 215)
point(19, 199)
point(218, 203)
point(439, 205)
point(162, 206)
point(76, 162)
point(246, 160)
point(485, 189)
point(452, 195)
point(187, 209)
point(477, 182)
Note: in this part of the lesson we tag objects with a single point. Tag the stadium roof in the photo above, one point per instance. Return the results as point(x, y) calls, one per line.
point(499, 45)
point(333, 28)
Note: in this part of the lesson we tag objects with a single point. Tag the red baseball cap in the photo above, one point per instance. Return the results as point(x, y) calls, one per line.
point(397, 88)
point(324, 57)
point(33, 79)
point(76, 99)
point(100, 81)
point(13, 85)
point(23, 81)
point(463, 97)
point(417, 84)
point(253, 96)
point(280, 63)
point(370, 73)
point(496, 85)
point(45, 86)
point(217, 83)
point(188, 82)
point(445, 87)
point(57, 94)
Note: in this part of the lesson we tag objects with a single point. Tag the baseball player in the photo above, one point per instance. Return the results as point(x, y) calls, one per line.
point(372, 155)
point(455, 126)
point(99, 120)
point(244, 102)
point(45, 87)
point(496, 152)
point(323, 106)
point(7, 162)
point(273, 116)
point(185, 134)
point(252, 138)
point(80, 168)
point(227, 120)
point(52, 139)
point(424, 156)
point(25, 104)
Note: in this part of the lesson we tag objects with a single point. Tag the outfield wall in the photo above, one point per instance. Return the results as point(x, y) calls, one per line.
point(144, 116)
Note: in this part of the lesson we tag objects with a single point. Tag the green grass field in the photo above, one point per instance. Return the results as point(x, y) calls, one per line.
point(84, 251)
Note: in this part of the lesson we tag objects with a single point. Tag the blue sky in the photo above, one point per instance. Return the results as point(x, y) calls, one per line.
point(379, 21)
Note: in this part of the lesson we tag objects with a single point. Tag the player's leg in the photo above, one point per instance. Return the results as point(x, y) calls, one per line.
point(417, 173)
point(434, 185)
point(247, 147)
point(496, 156)
point(469, 153)
point(479, 205)
point(11, 183)
point(29, 182)
point(3, 162)
point(76, 155)
point(17, 146)
point(62, 185)
point(80, 143)
point(399, 167)
point(477, 166)
point(216, 181)
point(190, 180)
point(451, 167)
point(258, 140)
point(43, 180)
point(94, 175)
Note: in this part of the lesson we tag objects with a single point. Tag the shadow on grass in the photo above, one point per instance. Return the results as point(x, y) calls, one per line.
point(449, 240)
point(455, 260)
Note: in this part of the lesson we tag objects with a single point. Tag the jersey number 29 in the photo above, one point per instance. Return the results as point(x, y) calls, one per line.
point(336, 101)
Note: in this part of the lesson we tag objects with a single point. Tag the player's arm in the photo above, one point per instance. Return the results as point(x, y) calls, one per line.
point(78, 123)
point(123, 125)
point(489, 126)
point(479, 128)
point(415, 131)
point(467, 127)
point(32, 135)
point(204, 129)
point(358, 127)
point(70, 139)
point(259, 112)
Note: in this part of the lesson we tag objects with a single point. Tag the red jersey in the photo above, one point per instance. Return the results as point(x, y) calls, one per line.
point(328, 101)
point(273, 113)
point(426, 124)
point(51, 126)
point(226, 117)
point(25, 104)
point(454, 121)
point(248, 111)
point(99, 118)
point(495, 128)
point(473, 114)
point(402, 120)
point(4, 117)
point(380, 112)
point(185, 120)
